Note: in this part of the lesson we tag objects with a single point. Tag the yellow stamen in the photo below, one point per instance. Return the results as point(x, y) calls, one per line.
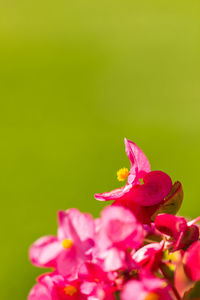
point(122, 174)
point(174, 257)
point(152, 296)
point(67, 244)
point(70, 290)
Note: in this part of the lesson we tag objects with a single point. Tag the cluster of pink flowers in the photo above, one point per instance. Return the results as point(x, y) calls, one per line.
point(138, 248)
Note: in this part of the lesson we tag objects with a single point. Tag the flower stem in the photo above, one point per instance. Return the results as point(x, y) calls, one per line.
point(176, 294)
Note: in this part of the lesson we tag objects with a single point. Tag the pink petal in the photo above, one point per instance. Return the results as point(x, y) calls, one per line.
point(68, 263)
point(141, 213)
point(143, 287)
point(39, 292)
point(149, 256)
point(153, 283)
point(43, 252)
point(170, 224)
point(114, 260)
point(91, 272)
point(70, 260)
point(139, 162)
point(115, 194)
point(135, 287)
point(75, 225)
point(189, 236)
point(87, 287)
point(119, 228)
point(156, 187)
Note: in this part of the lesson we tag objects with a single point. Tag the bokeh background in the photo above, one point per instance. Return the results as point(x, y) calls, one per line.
point(76, 77)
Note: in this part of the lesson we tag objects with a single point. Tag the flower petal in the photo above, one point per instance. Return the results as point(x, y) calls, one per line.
point(156, 187)
point(170, 225)
point(149, 256)
point(68, 263)
point(113, 260)
point(114, 194)
point(142, 213)
point(39, 292)
point(44, 251)
point(139, 162)
point(75, 225)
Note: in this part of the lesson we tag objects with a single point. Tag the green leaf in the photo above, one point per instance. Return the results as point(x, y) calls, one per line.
point(172, 202)
point(193, 293)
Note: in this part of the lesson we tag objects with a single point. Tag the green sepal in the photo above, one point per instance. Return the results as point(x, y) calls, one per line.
point(168, 270)
point(193, 293)
point(172, 202)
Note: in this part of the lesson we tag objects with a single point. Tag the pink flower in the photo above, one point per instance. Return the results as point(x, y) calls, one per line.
point(55, 287)
point(118, 231)
point(139, 167)
point(96, 283)
point(147, 287)
point(177, 228)
point(70, 248)
point(192, 261)
point(149, 256)
point(139, 197)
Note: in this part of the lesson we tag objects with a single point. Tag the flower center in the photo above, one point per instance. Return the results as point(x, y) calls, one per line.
point(122, 174)
point(70, 290)
point(67, 244)
point(152, 296)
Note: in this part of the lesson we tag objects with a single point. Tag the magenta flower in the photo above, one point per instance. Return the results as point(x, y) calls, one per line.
point(55, 287)
point(118, 232)
point(139, 167)
point(177, 228)
point(146, 288)
point(96, 283)
point(70, 248)
point(140, 198)
point(149, 256)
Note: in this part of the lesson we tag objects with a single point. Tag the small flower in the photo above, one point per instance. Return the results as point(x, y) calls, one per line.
point(139, 167)
point(56, 287)
point(143, 198)
point(72, 246)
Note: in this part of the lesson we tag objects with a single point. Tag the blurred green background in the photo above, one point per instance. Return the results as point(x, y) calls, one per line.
point(76, 77)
